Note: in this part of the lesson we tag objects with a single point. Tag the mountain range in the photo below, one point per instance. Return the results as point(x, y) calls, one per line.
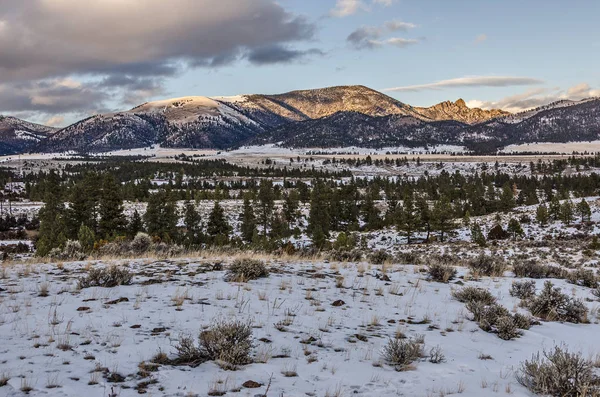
point(328, 117)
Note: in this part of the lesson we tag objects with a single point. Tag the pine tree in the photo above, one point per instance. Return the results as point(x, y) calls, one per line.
point(425, 216)
point(161, 216)
point(466, 219)
point(507, 198)
point(370, 212)
point(135, 225)
point(248, 220)
point(477, 235)
point(218, 228)
point(266, 204)
point(86, 238)
point(555, 208)
point(52, 233)
point(193, 225)
point(408, 219)
point(291, 204)
point(318, 217)
point(443, 220)
point(514, 228)
point(584, 210)
point(566, 212)
point(541, 214)
point(112, 220)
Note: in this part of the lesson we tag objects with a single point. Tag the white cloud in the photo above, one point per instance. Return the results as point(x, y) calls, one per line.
point(344, 8)
point(55, 121)
point(395, 26)
point(400, 42)
point(534, 98)
point(469, 81)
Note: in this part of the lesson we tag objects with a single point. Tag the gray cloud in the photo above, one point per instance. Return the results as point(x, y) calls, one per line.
point(125, 50)
point(279, 54)
point(370, 37)
point(470, 81)
point(40, 38)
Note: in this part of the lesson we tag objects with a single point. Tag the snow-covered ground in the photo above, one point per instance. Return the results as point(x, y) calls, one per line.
point(69, 342)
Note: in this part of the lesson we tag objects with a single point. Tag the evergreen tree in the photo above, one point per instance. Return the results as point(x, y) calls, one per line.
point(218, 228)
point(52, 233)
point(135, 225)
point(555, 208)
point(425, 216)
point(514, 228)
point(112, 220)
point(370, 212)
point(86, 238)
point(161, 216)
point(507, 198)
point(408, 218)
point(266, 204)
point(193, 225)
point(542, 215)
point(291, 204)
point(566, 212)
point(248, 220)
point(584, 210)
point(443, 220)
point(477, 235)
point(467, 219)
point(318, 217)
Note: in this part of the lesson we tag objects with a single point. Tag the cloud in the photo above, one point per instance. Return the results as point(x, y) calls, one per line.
point(55, 121)
point(44, 38)
point(395, 26)
point(344, 8)
point(124, 50)
point(469, 81)
point(400, 42)
point(480, 38)
point(280, 54)
point(369, 37)
point(534, 98)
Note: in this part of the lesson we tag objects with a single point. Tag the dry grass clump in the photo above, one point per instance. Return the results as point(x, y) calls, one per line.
point(401, 353)
point(522, 289)
point(107, 277)
point(441, 272)
point(559, 373)
point(485, 265)
point(246, 269)
point(552, 305)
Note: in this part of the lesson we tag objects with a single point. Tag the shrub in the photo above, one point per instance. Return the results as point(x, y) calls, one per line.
point(583, 277)
point(402, 352)
point(497, 233)
point(107, 277)
point(473, 294)
point(188, 353)
point(559, 373)
point(532, 269)
point(507, 328)
point(441, 272)
point(522, 321)
point(436, 355)
point(228, 342)
point(354, 255)
point(379, 257)
point(487, 266)
point(141, 243)
point(552, 305)
point(246, 269)
point(522, 289)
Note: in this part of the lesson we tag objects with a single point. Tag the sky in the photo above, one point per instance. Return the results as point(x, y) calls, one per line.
point(63, 60)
